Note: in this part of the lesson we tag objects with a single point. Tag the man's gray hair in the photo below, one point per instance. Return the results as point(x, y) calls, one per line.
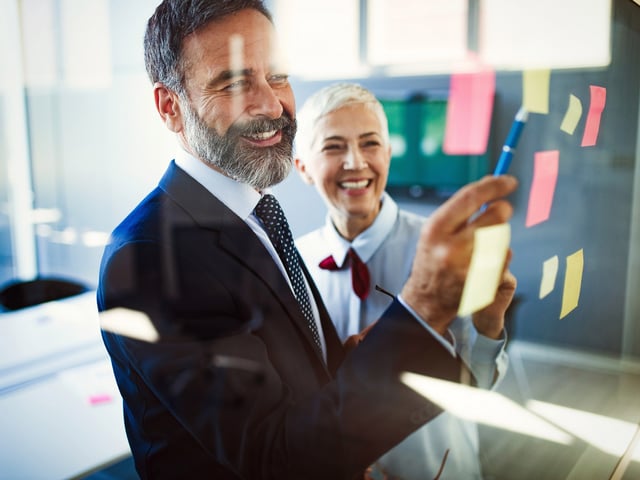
point(172, 22)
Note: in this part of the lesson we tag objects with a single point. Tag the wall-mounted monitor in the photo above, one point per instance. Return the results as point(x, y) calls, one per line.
point(418, 165)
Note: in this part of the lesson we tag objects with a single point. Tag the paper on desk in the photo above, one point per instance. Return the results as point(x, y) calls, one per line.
point(94, 383)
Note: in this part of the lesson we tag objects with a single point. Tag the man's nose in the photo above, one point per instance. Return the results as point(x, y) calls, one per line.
point(264, 101)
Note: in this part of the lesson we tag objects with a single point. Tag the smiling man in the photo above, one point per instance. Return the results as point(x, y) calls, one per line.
point(248, 378)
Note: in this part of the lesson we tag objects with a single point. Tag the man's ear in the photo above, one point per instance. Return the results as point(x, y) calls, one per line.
point(302, 170)
point(168, 106)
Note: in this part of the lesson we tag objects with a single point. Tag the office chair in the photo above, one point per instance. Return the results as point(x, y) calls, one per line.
point(19, 294)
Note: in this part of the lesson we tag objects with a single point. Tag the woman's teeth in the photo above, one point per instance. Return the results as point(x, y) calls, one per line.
point(358, 184)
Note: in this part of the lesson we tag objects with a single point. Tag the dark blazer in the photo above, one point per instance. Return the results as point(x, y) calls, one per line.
point(234, 388)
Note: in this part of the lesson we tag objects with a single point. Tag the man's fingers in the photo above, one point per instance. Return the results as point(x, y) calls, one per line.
point(499, 211)
point(455, 212)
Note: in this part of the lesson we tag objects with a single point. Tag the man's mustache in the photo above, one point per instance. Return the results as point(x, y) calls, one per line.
point(254, 127)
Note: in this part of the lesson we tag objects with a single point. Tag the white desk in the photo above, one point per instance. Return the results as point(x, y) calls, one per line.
point(60, 412)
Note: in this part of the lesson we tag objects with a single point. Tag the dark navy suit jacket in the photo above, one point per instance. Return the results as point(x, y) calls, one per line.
point(234, 387)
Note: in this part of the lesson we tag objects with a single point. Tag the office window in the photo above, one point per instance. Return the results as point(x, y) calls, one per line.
point(78, 102)
point(320, 39)
point(346, 39)
point(416, 35)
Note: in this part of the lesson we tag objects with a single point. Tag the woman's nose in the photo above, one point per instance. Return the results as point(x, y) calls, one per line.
point(354, 160)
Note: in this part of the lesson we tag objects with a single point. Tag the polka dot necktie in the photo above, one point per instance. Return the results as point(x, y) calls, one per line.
point(275, 224)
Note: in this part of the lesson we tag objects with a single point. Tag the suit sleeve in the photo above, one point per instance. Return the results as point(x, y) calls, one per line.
point(214, 388)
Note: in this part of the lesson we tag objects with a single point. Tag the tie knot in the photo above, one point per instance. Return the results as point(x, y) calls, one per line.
point(269, 211)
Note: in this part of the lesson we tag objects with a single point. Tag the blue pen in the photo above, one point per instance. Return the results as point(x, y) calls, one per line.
point(512, 141)
point(508, 148)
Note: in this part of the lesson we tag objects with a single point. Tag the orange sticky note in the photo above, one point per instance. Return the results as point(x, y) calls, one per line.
point(469, 111)
point(572, 115)
point(596, 106)
point(572, 283)
point(535, 90)
point(545, 176)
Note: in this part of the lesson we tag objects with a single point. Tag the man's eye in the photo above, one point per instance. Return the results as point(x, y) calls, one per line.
point(238, 85)
point(371, 143)
point(279, 79)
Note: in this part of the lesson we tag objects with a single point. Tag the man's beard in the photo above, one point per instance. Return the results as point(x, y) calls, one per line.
point(260, 167)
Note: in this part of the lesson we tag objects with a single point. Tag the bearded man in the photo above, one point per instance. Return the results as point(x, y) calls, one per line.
point(246, 377)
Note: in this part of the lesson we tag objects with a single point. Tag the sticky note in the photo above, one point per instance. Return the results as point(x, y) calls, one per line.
point(572, 283)
point(490, 248)
point(596, 106)
point(549, 274)
point(545, 176)
point(469, 111)
point(129, 323)
point(535, 90)
point(572, 115)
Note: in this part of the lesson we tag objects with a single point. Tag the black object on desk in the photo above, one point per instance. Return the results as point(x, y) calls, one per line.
point(26, 293)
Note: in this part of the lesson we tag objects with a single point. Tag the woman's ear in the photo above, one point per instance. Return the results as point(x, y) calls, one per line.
point(168, 106)
point(302, 170)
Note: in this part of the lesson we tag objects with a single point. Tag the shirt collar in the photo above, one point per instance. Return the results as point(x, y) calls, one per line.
point(368, 241)
point(239, 197)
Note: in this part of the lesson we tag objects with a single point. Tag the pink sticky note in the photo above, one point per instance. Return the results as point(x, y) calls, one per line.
point(545, 176)
point(469, 112)
point(596, 106)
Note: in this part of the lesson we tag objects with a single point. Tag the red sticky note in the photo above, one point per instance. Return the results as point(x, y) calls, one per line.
point(469, 112)
point(545, 176)
point(596, 106)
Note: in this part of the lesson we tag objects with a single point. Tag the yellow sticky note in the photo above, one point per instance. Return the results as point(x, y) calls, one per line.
point(572, 283)
point(572, 115)
point(485, 270)
point(535, 90)
point(549, 274)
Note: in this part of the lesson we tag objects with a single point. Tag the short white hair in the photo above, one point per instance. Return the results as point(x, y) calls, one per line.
point(330, 99)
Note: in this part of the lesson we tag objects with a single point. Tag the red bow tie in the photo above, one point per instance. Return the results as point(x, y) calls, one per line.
point(359, 272)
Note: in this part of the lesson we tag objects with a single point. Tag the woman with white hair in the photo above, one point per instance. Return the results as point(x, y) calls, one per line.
point(343, 149)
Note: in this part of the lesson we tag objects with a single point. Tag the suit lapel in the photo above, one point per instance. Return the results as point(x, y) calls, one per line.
point(236, 238)
point(335, 349)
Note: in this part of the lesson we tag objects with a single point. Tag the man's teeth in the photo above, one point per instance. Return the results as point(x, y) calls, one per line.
point(358, 184)
point(263, 135)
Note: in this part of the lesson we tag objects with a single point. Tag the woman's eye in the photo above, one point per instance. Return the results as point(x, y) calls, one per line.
point(331, 147)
